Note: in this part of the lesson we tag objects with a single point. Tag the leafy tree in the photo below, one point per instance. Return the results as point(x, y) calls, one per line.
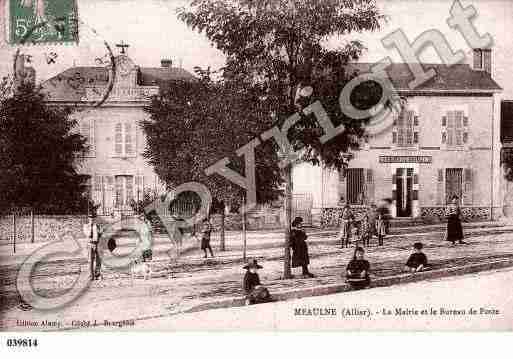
point(194, 124)
point(281, 45)
point(38, 153)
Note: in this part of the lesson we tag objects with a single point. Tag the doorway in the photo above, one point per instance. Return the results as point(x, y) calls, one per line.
point(404, 190)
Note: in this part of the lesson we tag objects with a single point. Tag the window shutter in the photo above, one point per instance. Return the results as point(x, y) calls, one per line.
point(458, 124)
point(444, 121)
point(369, 186)
point(97, 188)
point(119, 201)
point(85, 131)
point(130, 136)
point(440, 187)
point(394, 181)
point(108, 185)
point(394, 137)
point(130, 185)
point(92, 140)
point(118, 139)
point(450, 136)
point(342, 186)
point(93, 187)
point(139, 187)
point(467, 187)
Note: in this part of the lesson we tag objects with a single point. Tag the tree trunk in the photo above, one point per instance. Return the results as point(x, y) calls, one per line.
point(244, 241)
point(288, 219)
point(222, 246)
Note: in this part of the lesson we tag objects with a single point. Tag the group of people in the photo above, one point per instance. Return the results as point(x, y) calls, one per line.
point(373, 222)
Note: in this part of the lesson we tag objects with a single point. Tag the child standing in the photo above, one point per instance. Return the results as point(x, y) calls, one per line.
point(381, 229)
point(365, 230)
point(417, 261)
point(347, 218)
point(205, 237)
point(255, 292)
point(357, 271)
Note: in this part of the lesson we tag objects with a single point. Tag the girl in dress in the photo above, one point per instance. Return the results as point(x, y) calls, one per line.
point(347, 218)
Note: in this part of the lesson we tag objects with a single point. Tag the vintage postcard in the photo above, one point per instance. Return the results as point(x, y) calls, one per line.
point(277, 165)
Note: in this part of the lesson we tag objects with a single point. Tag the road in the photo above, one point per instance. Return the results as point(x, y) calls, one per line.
point(447, 304)
point(193, 282)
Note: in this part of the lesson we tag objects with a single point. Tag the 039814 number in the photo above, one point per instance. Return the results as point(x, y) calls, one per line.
point(22, 342)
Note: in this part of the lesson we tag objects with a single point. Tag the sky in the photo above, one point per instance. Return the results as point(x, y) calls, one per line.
point(153, 32)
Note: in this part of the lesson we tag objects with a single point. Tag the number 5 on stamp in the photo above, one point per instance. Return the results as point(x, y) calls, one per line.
point(43, 21)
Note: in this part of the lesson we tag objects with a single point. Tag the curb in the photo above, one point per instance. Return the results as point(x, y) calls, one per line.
point(375, 283)
point(333, 289)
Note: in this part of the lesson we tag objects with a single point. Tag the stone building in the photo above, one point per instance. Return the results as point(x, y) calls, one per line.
point(118, 172)
point(444, 142)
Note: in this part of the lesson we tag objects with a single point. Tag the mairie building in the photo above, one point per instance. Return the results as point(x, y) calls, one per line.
point(117, 170)
point(444, 142)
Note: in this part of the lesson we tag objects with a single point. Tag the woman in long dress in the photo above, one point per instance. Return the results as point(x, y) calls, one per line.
point(300, 256)
point(454, 228)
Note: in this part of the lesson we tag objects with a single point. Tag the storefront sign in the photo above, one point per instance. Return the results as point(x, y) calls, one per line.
point(405, 159)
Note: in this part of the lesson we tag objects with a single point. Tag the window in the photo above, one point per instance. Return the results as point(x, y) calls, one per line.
point(478, 59)
point(124, 190)
point(406, 129)
point(355, 188)
point(87, 131)
point(453, 183)
point(125, 139)
point(455, 128)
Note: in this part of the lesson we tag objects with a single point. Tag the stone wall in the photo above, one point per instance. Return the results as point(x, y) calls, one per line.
point(46, 228)
point(330, 217)
point(469, 214)
point(268, 218)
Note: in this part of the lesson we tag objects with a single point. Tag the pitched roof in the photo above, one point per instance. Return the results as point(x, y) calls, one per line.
point(70, 84)
point(459, 77)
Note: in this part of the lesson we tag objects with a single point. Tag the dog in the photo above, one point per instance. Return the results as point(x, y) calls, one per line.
point(139, 268)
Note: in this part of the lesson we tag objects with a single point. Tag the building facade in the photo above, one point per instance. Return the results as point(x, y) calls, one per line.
point(118, 172)
point(444, 142)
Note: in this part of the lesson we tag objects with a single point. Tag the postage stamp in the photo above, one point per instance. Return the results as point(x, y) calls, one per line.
point(256, 165)
point(58, 21)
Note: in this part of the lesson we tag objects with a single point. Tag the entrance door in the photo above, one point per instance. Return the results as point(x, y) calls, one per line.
point(404, 185)
point(124, 192)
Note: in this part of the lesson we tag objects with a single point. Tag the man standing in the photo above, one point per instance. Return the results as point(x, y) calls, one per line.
point(92, 231)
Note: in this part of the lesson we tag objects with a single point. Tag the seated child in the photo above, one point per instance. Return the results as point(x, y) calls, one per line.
point(417, 261)
point(255, 292)
point(357, 271)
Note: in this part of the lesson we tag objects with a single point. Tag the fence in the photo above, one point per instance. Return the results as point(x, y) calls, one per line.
point(19, 227)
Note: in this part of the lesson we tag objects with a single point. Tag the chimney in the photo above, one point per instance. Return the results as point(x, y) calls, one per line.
point(167, 63)
point(24, 74)
point(483, 60)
